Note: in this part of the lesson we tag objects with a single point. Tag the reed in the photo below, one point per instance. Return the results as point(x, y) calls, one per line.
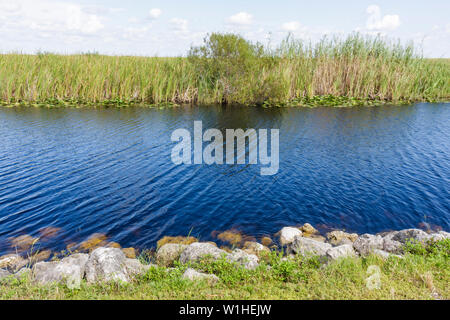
point(229, 69)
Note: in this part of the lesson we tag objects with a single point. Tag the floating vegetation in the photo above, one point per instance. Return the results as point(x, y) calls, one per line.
point(96, 240)
point(228, 69)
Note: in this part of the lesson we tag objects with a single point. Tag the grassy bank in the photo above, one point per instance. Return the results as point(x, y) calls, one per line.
point(421, 274)
point(229, 69)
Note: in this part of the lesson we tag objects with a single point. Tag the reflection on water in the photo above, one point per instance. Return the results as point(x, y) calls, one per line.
point(66, 174)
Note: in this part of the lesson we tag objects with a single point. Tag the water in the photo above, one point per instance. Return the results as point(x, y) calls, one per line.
point(364, 169)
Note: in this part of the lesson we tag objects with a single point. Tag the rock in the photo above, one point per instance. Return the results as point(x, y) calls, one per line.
point(252, 247)
point(266, 241)
point(4, 274)
point(177, 239)
point(195, 251)
point(390, 245)
point(41, 256)
point(316, 237)
point(340, 237)
point(23, 242)
point(232, 237)
point(96, 240)
point(384, 254)
point(308, 229)
point(438, 236)
point(345, 250)
point(410, 234)
point(12, 261)
point(307, 246)
point(134, 267)
point(23, 273)
point(169, 253)
point(55, 272)
point(129, 252)
point(191, 274)
point(288, 234)
point(106, 264)
point(248, 261)
point(366, 243)
point(79, 259)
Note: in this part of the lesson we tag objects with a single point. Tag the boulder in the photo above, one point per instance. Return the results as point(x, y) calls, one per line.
point(4, 273)
point(106, 264)
point(193, 275)
point(13, 262)
point(79, 259)
point(390, 245)
point(288, 234)
point(308, 229)
point(197, 250)
point(384, 254)
point(438, 236)
point(129, 252)
point(338, 237)
point(410, 235)
point(55, 272)
point(366, 243)
point(169, 253)
point(252, 247)
point(23, 273)
point(345, 250)
point(248, 261)
point(134, 267)
point(307, 246)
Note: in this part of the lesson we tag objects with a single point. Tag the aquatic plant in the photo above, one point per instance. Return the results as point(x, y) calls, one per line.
point(356, 70)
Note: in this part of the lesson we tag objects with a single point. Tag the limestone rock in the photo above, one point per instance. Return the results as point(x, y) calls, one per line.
point(366, 243)
point(197, 250)
point(384, 254)
point(4, 273)
point(129, 252)
point(340, 237)
point(288, 234)
point(248, 261)
point(23, 273)
point(308, 229)
point(255, 248)
point(390, 245)
point(410, 234)
point(134, 267)
point(307, 246)
point(169, 253)
point(12, 261)
point(54, 272)
point(345, 250)
point(106, 264)
point(191, 274)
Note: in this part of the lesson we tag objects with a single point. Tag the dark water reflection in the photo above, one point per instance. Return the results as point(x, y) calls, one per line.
point(109, 170)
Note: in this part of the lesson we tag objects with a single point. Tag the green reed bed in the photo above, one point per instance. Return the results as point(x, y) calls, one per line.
point(229, 69)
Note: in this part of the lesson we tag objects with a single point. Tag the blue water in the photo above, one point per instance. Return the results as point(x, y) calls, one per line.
point(364, 169)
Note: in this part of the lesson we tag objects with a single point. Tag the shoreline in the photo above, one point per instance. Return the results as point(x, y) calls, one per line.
point(204, 264)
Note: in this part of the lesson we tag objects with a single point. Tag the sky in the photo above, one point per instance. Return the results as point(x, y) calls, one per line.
point(170, 28)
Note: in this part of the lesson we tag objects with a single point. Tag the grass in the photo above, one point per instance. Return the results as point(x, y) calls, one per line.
point(229, 69)
point(421, 274)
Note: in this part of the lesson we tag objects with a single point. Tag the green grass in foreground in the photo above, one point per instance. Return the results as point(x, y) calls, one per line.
point(424, 273)
point(229, 69)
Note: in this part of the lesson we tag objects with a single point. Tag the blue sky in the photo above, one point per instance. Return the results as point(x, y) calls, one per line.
point(169, 28)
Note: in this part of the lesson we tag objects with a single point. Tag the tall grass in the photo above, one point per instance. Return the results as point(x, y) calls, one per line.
point(229, 69)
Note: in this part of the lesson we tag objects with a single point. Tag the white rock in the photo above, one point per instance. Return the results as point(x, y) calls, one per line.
point(307, 246)
point(4, 273)
point(411, 234)
point(193, 275)
point(288, 234)
point(248, 261)
point(195, 251)
point(12, 261)
point(169, 253)
point(54, 272)
point(366, 243)
point(385, 255)
point(345, 250)
point(134, 267)
point(106, 264)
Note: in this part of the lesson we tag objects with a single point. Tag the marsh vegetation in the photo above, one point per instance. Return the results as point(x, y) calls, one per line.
point(228, 69)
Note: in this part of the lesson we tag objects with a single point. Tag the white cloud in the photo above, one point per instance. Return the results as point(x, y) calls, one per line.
point(291, 26)
point(180, 25)
point(377, 22)
point(241, 18)
point(155, 13)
